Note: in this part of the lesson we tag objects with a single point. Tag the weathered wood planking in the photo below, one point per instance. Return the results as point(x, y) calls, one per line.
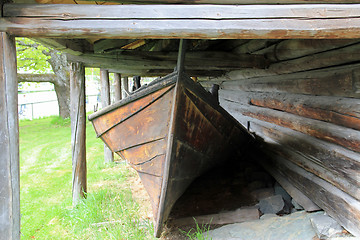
point(339, 205)
point(231, 2)
point(78, 130)
point(182, 21)
point(341, 81)
point(160, 60)
point(117, 87)
point(170, 132)
point(295, 48)
point(295, 193)
point(105, 101)
point(336, 165)
point(167, 12)
point(342, 136)
point(340, 111)
point(9, 143)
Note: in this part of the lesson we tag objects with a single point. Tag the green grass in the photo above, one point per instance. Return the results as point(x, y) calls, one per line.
point(108, 212)
point(197, 233)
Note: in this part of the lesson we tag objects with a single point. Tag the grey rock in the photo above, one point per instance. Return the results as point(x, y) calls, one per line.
point(325, 227)
point(268, 215)
point(279, 190)
point(273, 204)
point(296, 205)
point(290, 227)
point(263, 193)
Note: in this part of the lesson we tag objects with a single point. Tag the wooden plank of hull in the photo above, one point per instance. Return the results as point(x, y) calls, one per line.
point(181, 134)
point(203, 132)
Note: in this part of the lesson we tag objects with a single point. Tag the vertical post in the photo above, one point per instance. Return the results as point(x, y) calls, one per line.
point(117, 86)
point(9, 141)
point(78, 130)
point(125, 86)
point(105, 101)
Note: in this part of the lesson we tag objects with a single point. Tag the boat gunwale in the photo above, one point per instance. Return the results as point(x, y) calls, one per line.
point(152, 87)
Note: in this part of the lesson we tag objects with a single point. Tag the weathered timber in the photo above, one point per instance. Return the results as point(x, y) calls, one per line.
point(295, 193)
point(71, 12)
point(171, 132)
point(117, 87)
point(182, 21)
point(74, 46)
point(334, 164)
point(9, 143)
point(295, 48)
point(336, 81)
point(162, 60)
point(107, 45)
point(78, 130)
point(340, 111)
point(230, 2)
point(32, 77)
point(253, 46)
point(163, 72)
point(105, 101)
point(339, 205)
point(334, 57)
point(237, 216)
point(125, 87)
point(342, 136)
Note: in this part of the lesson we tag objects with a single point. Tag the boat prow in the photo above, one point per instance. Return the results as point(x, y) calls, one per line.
point(170, 132)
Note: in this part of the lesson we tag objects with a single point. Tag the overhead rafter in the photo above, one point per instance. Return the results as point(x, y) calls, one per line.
point(161, 62)
point(183, 21)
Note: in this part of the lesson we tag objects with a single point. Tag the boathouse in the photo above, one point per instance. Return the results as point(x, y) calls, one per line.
point(288, 70)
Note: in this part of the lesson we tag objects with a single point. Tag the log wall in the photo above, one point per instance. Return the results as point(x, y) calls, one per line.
point(306, 109)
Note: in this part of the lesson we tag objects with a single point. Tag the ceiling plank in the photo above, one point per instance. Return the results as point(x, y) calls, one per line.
point(183, 21)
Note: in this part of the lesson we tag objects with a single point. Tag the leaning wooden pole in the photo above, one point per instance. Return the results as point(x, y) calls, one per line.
point(105, 101)
point(117, 86)
point(9, 142)
point(78, 130)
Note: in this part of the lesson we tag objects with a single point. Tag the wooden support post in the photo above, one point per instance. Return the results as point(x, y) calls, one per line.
point(105, 101)
point(78, 130)
point(9, 142)
point(125, 86)
point(117, 86)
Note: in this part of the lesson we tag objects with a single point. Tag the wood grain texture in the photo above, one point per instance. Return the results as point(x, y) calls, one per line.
point(117, 87)
point(9, 143)
point(182, 21)
point(340, 111)
point(105, 101)
point(78, 130)
point(341, 81)
point(339, 205)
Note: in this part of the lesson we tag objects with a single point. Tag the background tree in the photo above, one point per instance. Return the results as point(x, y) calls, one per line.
point(43, 64)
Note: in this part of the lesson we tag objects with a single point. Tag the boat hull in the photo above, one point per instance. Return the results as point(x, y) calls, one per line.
point(171, 133)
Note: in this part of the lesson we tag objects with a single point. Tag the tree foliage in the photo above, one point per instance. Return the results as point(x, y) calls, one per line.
point(32, 57)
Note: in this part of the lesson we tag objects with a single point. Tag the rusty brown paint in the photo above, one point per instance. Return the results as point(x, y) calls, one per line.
point(168, 159)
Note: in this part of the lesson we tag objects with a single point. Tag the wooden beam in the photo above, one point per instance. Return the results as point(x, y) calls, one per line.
point(74, 46)
point(183, 21)
point(229, 2)
point(9, 142)
point(125, 86)
point(78, 130)
point(117, 86)
point(136, 60)
point(339, 205)
point(105, 101)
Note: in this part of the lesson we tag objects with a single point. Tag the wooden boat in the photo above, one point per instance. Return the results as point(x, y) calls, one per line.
point(170, 132)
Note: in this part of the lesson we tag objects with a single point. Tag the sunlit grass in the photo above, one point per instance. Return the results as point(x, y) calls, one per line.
point(109, 212)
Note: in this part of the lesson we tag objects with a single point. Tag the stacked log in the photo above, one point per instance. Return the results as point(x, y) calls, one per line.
point(306, 109)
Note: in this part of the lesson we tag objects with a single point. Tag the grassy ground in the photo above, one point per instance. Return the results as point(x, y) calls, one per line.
point(109, 212)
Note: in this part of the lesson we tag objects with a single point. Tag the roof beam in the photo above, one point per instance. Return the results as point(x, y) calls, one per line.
point(159, 62)
point(183, 21)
